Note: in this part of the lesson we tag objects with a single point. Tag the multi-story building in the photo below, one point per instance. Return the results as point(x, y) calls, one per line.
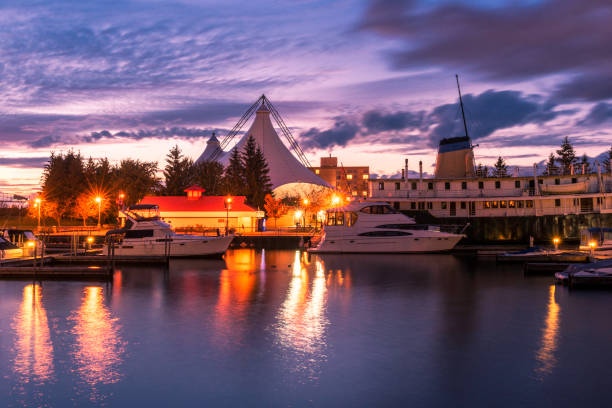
point(351, 180)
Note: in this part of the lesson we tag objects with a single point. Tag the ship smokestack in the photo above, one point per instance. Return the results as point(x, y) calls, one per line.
point(420, 170)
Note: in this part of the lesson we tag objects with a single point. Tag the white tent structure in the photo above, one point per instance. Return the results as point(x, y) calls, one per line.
point(285, 168)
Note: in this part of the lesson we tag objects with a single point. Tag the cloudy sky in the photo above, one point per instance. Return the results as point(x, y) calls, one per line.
point(370, 81)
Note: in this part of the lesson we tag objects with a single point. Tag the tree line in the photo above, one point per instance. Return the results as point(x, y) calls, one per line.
point(70, 183)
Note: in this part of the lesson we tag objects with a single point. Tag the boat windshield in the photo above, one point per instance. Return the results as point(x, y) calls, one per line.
point(379, 209)
point(337, 218)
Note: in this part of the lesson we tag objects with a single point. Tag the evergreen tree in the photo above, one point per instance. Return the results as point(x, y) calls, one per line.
point(209, 176)
point(501, 169)
point(551, 166)
point(607, 163)
point(567, 156)
point(135, 179)
point(63, 180)
point(233, 179)
point(482, 171)
point(177, 173)
point(256, 174)
point(585, 166)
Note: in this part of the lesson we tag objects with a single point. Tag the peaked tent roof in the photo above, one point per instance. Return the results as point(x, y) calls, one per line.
point(284, 167)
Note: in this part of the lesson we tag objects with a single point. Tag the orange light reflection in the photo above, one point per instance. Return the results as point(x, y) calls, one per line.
point(550, 333)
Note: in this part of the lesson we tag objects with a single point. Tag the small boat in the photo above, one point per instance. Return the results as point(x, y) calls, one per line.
point(596, 274)
point(9, 250)
point(145, 234)
point(569, 188)
point(376, 227)
point(596, 239)
point(24, 239)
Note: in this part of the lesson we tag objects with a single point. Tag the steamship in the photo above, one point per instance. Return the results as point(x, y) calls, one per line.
point(514, 208)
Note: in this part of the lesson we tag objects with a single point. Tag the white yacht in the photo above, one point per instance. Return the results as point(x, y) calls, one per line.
point(362, 227)
point(145, 234)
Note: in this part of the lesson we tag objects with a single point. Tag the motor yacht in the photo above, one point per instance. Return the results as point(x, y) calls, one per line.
point(145, 234)
point(376, 227)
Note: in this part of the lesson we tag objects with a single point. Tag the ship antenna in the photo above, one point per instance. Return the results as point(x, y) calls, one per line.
point(461, 103)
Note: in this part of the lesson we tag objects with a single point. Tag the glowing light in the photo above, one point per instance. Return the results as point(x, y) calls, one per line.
point(592, 244)
point(298, 214)
point(546, 353)
point(335, 200)
point(90, 240)
point(37, 200)
point(305, 201)
point(228, 200)
point(556, 240)
point(31, 244)
point(98, 199)
point(122, 196)
point(34, 350)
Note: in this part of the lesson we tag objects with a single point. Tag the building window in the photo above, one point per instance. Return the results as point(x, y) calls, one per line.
point(430, 186)
point(557, 202)
point(464, 185)
point(598, 200)
point(557, 181)
point(364, 193)
point(381, 185)
point(421, 206)
point(354, 192)
point(349, 176)
point(397, 186)
point(520, 204)
point(529, 203)
point(463, 205)
point(317, 171)
point(498, 184)
point(481, 185)
point(430, 205)
point(517, 184)
point(443, 205)
point(365, 176)
point(413, 205)
point(413, 186)
point(574, 180)
point(447, 186)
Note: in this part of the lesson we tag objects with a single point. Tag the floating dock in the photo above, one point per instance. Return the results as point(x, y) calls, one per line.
point(55, 272)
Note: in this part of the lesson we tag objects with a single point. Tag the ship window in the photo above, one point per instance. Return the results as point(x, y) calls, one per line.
point(557, 202)
point(463, 205)
point(540, 181)
point(511, 204)
point(481, 185)
point(413, 205)
point(495, 204)
point(487, 204)
point(384, 234)
point(447, 186)
point(403, 226)
point(381, 185)
point(517, 184)
point(414, 186)
point(378, 209)
point(464, 185)
point(557, 181)
point(396, 205)
point(529, 203)
point(520, 204)
point(351, 218)
point(574, 180)
point(335, 218)
point(502, 204)
point(397, 186)
point(138, 233)
point(498, 184)
point(443, 205)
point(421, 206)
point(429, 205)
point(430, 186)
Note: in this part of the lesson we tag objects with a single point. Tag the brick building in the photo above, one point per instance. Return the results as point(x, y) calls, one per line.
point(351, 180)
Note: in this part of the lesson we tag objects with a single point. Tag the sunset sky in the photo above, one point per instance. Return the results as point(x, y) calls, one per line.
point(371, 82)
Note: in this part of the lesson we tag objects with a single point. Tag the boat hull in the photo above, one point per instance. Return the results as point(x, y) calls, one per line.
point(177, 248)
point(402, 245)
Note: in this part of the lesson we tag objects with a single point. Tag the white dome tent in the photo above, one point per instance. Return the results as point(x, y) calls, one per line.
point(285, 169)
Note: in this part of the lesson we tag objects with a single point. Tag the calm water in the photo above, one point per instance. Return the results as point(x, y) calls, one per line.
point(280, 329)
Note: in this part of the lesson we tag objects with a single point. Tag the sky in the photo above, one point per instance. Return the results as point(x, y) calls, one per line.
point(369, 81)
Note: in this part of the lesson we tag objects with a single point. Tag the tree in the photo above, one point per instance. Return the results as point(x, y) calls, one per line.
point(63, 180)
point(135, 179)
point(608, 162)
point(551, 166)
point(567, 156)
point(501, 169)
point(256, 174)
point(177, 173)
point(274, 208)
point(209, 175)
point(233, 179)
point(86, 207)
point(585, 166)
point(481, 171)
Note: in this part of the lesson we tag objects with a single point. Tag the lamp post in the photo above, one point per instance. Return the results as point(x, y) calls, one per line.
point(305, 202)
point(99, 201)
point(556, 241)
point(38, 201)
point(121, 198)
point(228, 205)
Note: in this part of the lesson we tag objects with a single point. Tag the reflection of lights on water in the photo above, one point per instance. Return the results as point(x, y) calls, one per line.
point(98, 349)
point(297, 264)
point(546, 353)
point(33, 347)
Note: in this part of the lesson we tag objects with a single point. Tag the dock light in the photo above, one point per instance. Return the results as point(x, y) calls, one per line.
point(556, 241)
point(90, 240)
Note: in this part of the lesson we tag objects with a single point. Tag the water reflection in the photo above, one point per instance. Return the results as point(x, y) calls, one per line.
point(301, 319)
point(33, 348)
point(545, 355)
point(99, 349)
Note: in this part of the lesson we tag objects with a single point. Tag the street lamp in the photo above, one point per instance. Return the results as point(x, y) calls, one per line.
point(37, 204)
point(305, 202)
point(228, 206)
point(556, 241)
point(99, 201)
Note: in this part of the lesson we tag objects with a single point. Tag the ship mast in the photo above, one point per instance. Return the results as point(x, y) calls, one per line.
point(461, 103)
